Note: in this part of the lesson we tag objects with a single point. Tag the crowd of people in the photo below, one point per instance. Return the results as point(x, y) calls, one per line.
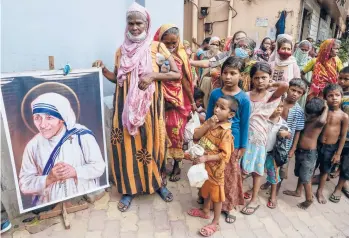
point(259, 109)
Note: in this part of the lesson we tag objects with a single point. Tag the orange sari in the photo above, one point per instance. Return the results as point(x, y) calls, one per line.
point(176, 115)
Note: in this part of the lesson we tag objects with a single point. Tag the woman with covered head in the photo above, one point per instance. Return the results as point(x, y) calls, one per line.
point(282, 62)
point(210, 78)
point(302, 57)
point(243, 49)
point(63, 159)
point(179, 100)
point(138, 135)
point(325, 67)
point(264, 51)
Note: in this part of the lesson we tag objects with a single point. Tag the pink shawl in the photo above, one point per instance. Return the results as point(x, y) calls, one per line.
point(136, 60)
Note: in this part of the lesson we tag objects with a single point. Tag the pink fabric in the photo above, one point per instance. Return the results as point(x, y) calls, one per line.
point(136, 60)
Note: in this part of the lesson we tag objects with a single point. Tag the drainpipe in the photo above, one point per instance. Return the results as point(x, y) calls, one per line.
point(194, 21)
point(230, 15)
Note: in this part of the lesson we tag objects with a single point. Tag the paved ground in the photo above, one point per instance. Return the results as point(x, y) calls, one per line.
point(149, 216)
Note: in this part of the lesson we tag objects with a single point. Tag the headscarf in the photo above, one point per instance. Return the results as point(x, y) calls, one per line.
point(302, 58)
point(325, 68)
point(136, 60)
point(261, 53)
point(171, 89)
point(214, 50)
point(275, 55)
point(180, 48)
point(57, 106)
point(186, 43)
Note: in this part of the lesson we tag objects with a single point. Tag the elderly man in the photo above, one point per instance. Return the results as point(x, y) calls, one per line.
point(63, 159)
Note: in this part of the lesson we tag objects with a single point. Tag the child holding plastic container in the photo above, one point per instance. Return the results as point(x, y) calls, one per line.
point(215, 137)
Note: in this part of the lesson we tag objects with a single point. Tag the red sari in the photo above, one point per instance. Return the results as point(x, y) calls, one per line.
point(178, 103)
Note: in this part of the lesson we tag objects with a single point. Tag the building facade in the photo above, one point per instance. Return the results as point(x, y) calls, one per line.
point(318, 19)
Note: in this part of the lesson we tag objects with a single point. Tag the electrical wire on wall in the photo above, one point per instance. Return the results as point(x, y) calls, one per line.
point(203, 13)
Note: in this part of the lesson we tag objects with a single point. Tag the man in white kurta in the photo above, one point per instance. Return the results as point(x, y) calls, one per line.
point(60, 165)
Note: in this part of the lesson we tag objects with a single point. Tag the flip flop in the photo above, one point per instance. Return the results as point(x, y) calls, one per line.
point(254, 209)
point(165, 194)
point(335, 199)
point(229, 218)
point(272, 205)
point(196, 212)
point(209, 230)
point(126, 202)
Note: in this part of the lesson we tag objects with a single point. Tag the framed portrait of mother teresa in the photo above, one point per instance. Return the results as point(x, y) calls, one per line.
point(54, 125)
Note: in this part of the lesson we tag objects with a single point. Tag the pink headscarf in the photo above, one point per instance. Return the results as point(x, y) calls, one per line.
point(136, 59)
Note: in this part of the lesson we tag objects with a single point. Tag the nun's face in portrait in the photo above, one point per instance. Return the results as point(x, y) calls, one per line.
point(47, 125)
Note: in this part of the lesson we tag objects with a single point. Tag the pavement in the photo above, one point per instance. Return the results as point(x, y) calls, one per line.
point(149, 216)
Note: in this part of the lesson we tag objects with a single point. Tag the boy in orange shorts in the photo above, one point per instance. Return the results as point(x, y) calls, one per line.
point(215, 137)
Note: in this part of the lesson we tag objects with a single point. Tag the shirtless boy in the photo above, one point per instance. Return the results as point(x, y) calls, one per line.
point(316, 111)
point(332, 138)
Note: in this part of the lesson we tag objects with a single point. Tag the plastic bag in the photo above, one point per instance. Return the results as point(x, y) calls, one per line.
point(192, 124)
point(195, 151)
point(197, 175)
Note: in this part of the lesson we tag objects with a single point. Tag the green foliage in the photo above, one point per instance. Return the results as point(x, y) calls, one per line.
point(344, 50)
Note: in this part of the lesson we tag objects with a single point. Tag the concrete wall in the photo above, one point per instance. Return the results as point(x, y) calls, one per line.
point(247, 13)
point(314, 8)
point(76, 32)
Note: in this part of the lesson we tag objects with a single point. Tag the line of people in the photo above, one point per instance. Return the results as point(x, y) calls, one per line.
point(253, 122)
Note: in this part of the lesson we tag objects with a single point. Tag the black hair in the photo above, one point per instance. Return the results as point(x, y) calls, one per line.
point(309, 39)
point(198, 93)
point(315, 106)
point(283, 41)
point(345, 70)
point(206, 40)
point(171, 31)
point(331, 87)
point(234, 62)
point(266, 38)
point(236, 33)
point(234, 104)
point(260, 66)
point(297, 82)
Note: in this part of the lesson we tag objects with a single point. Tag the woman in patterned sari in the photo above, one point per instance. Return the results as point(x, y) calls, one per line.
point(325, 67)
point(138, 137)
point(178, 96)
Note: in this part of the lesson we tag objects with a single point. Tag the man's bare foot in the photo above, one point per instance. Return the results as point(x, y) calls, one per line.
point(265, 186)
point(320, 198)
point(292, 193)
point(316, 179)
point(305, 205)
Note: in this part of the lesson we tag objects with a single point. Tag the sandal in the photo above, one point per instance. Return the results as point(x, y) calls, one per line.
point(165, 194)
point(271, 204)
point(254, 209)
point(209, 230)
point(229, 218)
point(335, 199)
point(196, 212)
point(125, 202)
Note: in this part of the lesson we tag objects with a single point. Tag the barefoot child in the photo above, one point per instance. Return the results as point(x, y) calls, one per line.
point(333, 137)
point(306, 155)
point(216, 138)
point(277, 128)
point(294, 115)
point(263, 104)
point(343, 184)
point(231, 74)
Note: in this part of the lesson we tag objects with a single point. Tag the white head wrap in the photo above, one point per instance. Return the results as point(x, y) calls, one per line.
point(213, 39)
point(57, 106)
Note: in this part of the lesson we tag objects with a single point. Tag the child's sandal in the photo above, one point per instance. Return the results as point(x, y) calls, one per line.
point(271, 204)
